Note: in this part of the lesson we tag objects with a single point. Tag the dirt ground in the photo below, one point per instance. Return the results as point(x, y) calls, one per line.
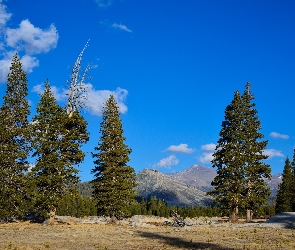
point(26, 235)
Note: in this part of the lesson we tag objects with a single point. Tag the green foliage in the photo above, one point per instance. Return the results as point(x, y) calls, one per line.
point(76, 205)
point(157, 207)
point(56, 141)
point(85, 188)
point(256, 190)
point(239, 158)
point(293, 183)
point(285, 194)
point(114, 179)
point(228, 159)
point(14, 142)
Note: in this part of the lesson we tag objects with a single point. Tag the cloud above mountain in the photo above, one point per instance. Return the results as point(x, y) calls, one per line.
point(167, 162)
point(181, 148)
point(207, 153)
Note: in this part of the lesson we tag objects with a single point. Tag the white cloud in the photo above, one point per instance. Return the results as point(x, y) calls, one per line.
point(4, 68)
point(273, 153)
point(181, 148)
point(28, 63)
point(59, 94)
point(167, 162)
point(39, 88)
point(25, 40)
point(104, 3)
point(207, 157)
point(209, 147)
point(4, 16)
point(121, 27)
point(32, 39)
point(96, 99)
point(278, 135)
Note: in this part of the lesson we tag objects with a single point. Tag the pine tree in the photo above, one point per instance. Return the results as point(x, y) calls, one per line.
point(293, 184)
point(114, 179)
point(56, 142)
point(255, 170)
point(239, 159)
point(14, 142)
point(285, 195)
point(228, 159)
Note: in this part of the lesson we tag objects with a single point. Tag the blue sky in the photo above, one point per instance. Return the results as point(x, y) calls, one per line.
point(172, 65)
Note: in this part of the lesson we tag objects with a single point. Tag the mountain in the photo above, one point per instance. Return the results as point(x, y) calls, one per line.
point(166, 187)
point(273, 184)
point(181, 188)
point(197, 175)
point(201, 177)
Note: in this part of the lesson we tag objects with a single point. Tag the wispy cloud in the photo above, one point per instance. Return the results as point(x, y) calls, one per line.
point(121, 27)
point(4, 15)
point(26, 40)
point(207, 154)
point(96, 99)
point(278, 135)
point(181, 148)
point(104, 3)
point(167, 162)
point(273, 153)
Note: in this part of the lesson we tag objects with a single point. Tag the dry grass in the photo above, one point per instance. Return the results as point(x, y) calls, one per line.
point(25, 235)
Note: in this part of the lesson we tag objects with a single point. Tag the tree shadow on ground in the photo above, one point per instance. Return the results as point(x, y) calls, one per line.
point(183, 244)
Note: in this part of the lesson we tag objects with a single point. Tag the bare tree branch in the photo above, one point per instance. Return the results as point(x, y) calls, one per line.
point(77, 89)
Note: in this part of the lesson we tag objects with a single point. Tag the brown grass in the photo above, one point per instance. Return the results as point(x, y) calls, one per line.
point(25, 235)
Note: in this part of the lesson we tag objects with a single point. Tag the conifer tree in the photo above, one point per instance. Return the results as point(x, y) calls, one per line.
point(14, 142)
point(255, 170)
point(285, 194)
point(238, 158)
point(114, 179)
point(228, 159)
point(56, 141)
point(293, 183)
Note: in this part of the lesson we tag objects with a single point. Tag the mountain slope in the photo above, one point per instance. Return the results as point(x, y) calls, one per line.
point(164, 186)
point(197, 175)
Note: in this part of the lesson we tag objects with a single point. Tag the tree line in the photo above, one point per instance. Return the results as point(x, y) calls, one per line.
point(82, 206)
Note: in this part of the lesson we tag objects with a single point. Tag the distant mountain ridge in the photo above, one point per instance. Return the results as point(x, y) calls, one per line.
point(166, 187)
point(197, 175)
point(181, 188)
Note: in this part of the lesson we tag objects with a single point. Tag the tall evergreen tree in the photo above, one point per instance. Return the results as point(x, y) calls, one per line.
point(114, 179)
point(238, 158)
point(285, 194)
point(14, 142)
point(56, 142)
point(255, 170)
point(228, 159)
point(293, 183)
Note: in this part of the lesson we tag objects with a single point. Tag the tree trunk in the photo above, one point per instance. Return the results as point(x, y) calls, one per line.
point(234, 215)
point(249, 215)
point(51, 216)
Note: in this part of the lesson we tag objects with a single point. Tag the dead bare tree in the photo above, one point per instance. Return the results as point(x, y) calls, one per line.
point(77, 89)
